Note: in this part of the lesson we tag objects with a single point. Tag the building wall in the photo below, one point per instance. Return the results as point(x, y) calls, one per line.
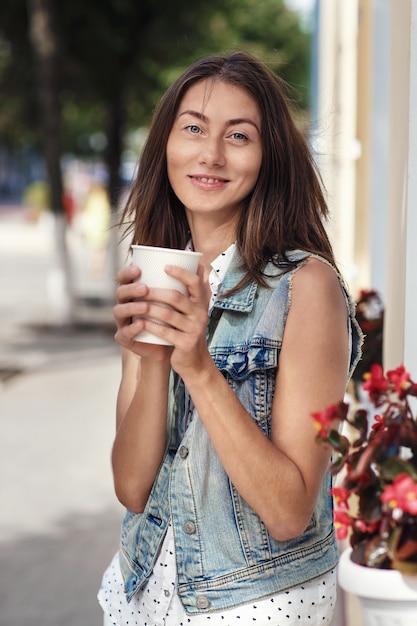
point(366, 134)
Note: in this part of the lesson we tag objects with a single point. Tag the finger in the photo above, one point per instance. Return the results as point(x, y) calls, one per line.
point(123, 313)
point(168, 297)
point(193, 282)
point(125, 334)
point(189, 318)
point(130, 291)
point(128, 274)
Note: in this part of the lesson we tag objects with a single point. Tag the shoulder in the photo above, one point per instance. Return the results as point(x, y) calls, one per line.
point(316, 270)
point(317, 285)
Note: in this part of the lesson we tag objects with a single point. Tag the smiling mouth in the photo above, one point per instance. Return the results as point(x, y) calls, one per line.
point(209, 180)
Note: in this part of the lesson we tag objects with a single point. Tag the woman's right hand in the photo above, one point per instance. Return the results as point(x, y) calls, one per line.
point(128, 305)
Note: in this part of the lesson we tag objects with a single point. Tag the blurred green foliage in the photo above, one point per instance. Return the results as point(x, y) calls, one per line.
point(126, 52)
point(114, 59)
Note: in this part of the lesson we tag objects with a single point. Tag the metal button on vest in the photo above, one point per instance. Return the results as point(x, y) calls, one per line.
point(203, 603)
point(183, 452)
point(189, 528)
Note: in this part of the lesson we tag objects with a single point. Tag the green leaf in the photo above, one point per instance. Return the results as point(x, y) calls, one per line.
point(393, 466)
point(337, 465)
point(339, 442)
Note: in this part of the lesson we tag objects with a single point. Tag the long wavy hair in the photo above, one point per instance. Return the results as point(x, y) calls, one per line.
point(285, 210)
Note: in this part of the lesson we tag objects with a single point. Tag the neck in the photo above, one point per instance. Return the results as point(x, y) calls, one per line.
point(212, 241)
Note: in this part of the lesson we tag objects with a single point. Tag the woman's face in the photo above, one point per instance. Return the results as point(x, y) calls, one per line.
point(214, 150)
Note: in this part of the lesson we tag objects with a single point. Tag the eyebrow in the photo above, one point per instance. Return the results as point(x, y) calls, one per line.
point(204, 118)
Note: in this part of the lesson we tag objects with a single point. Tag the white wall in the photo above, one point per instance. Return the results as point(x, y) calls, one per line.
point(410, 321)
point(400, 333)
point(379, 143)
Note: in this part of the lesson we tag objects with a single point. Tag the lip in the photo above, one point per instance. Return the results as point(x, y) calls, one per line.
point(207, 181)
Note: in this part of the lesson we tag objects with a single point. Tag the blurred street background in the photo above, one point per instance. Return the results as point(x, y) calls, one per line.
point(59, 519)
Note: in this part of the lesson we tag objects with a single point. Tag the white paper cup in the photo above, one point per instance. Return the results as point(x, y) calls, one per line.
point(151, 261)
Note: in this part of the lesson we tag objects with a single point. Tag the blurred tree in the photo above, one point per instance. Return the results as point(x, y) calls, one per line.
point(118, 49)
point(17, 110)
point(123, 53)
point(271, 31)
point(45, 45)
point(115, 58)
point(99, 67)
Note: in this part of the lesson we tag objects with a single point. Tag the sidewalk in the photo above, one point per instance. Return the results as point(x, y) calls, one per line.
point(59, 519)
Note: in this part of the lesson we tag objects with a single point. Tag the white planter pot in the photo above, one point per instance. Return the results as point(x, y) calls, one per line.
point(387, 597)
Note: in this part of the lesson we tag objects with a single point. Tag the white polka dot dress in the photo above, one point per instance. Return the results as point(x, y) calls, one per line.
point(158, 604)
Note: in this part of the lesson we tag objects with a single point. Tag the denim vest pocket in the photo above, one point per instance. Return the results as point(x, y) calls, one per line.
point(250, 370)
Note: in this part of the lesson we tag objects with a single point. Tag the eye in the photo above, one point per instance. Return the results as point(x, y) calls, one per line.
point(193, 129)
point(239, 137)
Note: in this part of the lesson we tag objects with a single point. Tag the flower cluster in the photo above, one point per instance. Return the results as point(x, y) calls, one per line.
point(376, 496)
point(370, 317)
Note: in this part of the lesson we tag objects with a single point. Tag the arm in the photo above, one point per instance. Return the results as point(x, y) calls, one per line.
point(141, 408)
point(141, 429)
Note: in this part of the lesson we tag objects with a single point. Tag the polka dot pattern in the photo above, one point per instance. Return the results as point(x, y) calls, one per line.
point(219, 267)
point(158, 604)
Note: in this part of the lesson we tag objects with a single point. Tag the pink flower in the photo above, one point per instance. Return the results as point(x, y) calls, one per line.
point(402, 494)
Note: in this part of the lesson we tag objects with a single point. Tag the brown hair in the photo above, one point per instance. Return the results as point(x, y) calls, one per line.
point(285, 210)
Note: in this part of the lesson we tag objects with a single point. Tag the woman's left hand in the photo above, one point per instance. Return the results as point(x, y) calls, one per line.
point(187, 318)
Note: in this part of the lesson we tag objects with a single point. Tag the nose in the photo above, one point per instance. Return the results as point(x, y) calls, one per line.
point(212, 152)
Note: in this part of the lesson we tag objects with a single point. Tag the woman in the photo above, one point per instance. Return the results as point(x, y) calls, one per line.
point(228, 514)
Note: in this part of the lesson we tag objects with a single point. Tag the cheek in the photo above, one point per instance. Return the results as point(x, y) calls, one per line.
point(171, 154)
point(176, 152)
point(172, 165)
point(252, 171)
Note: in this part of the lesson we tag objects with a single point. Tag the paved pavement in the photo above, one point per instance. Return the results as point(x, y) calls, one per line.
point(59, 519)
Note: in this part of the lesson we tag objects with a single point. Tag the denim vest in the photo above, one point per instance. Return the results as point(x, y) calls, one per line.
point(224, 553)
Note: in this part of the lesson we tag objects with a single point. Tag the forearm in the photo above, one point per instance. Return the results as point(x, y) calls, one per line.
point(141, 437)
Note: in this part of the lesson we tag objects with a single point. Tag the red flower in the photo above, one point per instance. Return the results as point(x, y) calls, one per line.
point(400, 378)
point(378, 424)
point(381, 529)
point(324, 419)
point(375, 383)
point(342, 523)
point(366, 527)
point(368, 294)
point(341, 496)
point(402, 494)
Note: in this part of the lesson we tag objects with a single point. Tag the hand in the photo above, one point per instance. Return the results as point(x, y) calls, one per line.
point(186, 319)
point(130, 303)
